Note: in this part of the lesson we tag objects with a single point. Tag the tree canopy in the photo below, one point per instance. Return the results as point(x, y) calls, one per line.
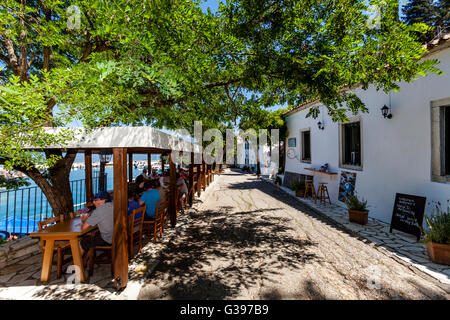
point(167, 63)
point(433, 13)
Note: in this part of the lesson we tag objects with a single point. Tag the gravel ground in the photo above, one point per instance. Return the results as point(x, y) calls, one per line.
point(248, 240)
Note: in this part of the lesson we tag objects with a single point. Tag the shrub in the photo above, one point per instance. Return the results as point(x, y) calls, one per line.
point(298, 185)
point(438, 227)
point(353, 203)
point(278, 179)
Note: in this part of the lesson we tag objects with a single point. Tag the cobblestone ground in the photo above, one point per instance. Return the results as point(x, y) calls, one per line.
point(249, 240)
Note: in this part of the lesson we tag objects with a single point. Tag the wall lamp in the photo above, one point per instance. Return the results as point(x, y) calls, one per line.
point(386, 112)
point(321, 125)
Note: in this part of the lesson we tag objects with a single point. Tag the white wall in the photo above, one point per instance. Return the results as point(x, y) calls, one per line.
point(396, 152)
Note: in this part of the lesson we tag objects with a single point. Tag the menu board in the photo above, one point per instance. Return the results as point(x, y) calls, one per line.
point(408, 213)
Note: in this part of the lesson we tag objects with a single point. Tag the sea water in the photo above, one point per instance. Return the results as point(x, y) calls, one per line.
point(20, 210)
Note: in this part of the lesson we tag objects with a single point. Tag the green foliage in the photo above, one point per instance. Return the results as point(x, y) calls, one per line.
point(438, 226)
point(353, 203)
point(13, 184)
point(278, 179)
point(299, 51)
point(297, 185)
point(166, 63)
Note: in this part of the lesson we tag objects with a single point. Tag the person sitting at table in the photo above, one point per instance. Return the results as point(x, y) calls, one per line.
point(103, 216)
point(132, 203)
point(182, 182)
point(154, 174)
point(164, 180)
point(139, 185)
point(161, 190)
point(150, 197)
point(145, 175)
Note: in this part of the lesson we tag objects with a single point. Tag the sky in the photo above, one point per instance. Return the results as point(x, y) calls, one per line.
point(213, 5)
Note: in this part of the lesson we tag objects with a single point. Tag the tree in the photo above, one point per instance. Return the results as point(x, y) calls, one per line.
point(420, 11)
point(101, 63)
point(166, 63)
point(296, 51)
point(443, 9)
point(256, 118)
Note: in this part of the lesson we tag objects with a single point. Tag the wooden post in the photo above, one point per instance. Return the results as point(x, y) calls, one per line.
point(120, 234)
point(88, 175)
point(149, 163)
point(199, 180)
point(191, 180)
point(130, 167)
point(209, 174)
point(203, 175)
point(162, 163)
point(172, 193)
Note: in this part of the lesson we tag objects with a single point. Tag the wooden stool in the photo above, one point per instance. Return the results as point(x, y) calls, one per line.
point(309, 186)
point(322, 193)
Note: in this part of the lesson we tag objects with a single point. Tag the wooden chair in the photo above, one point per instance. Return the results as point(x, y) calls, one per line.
point(309, 186)
point(135, 226)
point(60, 247)
point(93, 259)
point(155, 227)
point(322, 193)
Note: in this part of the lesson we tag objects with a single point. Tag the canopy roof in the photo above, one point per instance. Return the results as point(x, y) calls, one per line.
point(136, 139)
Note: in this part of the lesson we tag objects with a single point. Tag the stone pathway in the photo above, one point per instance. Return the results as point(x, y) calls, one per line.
point(396, 244)
point(250, 240)
point(246, 239)
point(21, 280)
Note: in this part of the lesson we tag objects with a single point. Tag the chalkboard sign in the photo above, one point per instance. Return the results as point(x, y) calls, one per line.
point(407, 210)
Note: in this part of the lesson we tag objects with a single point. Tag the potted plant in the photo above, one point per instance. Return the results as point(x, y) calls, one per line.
point(278, 180)
point(357, 209)
point(437, 237)
point(298, 187)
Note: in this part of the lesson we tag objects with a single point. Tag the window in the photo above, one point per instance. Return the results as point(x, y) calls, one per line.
point(351, 145)
point(306, 145)
point(447, 139)
point(440, 140)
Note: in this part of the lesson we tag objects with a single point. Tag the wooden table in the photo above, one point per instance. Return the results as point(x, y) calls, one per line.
point(318, 171)
point(70, 230)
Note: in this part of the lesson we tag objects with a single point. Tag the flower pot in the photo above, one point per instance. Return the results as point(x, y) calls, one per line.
point(439, 253)
point(357, 216)
point(300, 193)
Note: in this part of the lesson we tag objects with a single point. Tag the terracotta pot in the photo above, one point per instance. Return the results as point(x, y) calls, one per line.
point(300, 193)
point(357, 216)
point(439, 253)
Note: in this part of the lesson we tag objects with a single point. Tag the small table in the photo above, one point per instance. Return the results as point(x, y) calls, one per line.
point(318, 171)
point(70, 230)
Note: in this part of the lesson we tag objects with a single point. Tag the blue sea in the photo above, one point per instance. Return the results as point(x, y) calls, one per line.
point(21, 210)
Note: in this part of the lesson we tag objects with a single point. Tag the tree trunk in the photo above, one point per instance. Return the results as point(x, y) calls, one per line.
point(57, 187)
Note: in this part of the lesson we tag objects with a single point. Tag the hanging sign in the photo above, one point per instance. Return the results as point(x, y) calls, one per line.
point(408, 214)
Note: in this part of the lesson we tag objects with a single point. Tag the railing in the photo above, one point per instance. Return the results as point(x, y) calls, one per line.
point(21, 209)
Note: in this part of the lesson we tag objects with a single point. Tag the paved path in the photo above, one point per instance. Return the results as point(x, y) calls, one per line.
point(249, 240)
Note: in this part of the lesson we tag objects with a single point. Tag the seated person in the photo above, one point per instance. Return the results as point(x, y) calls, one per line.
point(132, 203)
point(103, 216)
point(154, 174)
point(150, 197)
point(164, 181)
point(161, 190)
point(180, 181)
point(145, 175)
point(139, 184)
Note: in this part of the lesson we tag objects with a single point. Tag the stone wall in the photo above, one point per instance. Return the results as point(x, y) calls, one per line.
point(17, 250)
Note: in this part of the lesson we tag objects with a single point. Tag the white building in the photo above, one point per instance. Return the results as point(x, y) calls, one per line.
point(408, 153)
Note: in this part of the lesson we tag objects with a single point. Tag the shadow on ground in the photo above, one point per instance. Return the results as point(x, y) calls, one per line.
point(221, 253)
